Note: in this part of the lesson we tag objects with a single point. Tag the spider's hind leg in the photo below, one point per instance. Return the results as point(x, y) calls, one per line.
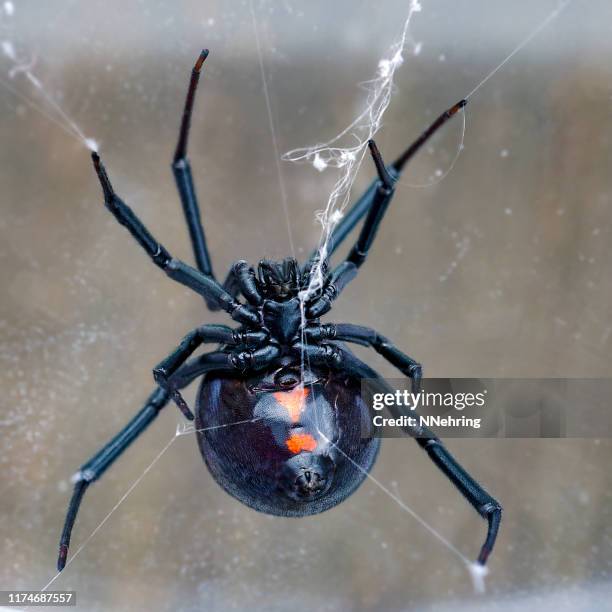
point(338, 358)
point(103, 459)
point(488, 507)
point(210, 333)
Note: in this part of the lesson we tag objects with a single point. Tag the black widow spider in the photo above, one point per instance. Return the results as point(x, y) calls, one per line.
point(296, 446)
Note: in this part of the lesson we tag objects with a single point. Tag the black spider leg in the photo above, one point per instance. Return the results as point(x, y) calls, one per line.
point(347, 270)
point(363, 204)
point(237, 279)
point(337, 358)
point(102, 460)
point(184, 180)
point(366, 336)
point(179, 271)
point(219, 334)
point(238, 360)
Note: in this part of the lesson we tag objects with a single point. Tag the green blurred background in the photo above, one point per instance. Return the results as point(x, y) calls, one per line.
point(501, 269)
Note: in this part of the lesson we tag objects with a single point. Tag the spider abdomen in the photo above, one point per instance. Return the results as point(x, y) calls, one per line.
point(285, 451)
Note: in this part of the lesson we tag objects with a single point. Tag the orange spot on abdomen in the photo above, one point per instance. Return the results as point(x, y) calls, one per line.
point(292, 401)
point(298, 442)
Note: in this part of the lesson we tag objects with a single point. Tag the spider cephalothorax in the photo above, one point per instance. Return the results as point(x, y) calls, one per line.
point(280, 417)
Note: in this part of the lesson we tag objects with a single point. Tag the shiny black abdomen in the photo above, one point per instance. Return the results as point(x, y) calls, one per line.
point(252, 428)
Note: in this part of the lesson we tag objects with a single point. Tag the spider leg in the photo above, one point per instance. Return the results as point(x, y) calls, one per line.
point(219, 334)
point(184, 180)
point(181, 169)
point(336, 357)
point(238, 360)
point(375, 202)
point(179, 271)
point(347, 270)
point(382, 198)
point(364, 203)
point(366, 336)
point(102, 460)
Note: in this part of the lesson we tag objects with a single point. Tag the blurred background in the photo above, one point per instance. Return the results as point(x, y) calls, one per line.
point(500, 269)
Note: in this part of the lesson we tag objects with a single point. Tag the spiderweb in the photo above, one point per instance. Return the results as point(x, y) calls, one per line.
point(25, 66)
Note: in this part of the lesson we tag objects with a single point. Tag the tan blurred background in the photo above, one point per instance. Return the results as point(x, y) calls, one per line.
point(502, 269)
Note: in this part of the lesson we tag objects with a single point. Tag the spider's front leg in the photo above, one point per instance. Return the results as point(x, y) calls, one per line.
point(374, 203)
point(347, 270)
point(204, 285)
point(219, 334)
point(181, 169)
point(366, 201)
